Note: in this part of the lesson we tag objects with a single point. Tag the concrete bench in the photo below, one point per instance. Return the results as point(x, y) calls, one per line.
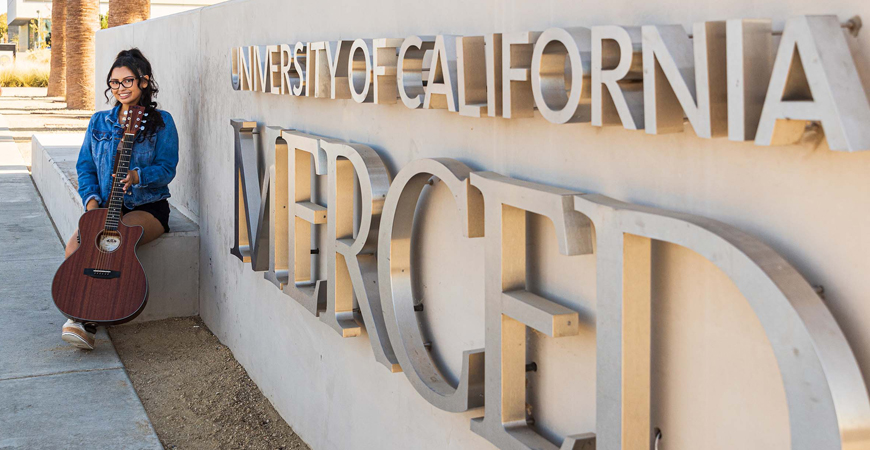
point(171, 262)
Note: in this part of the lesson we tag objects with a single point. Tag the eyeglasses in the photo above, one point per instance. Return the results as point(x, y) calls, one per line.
point(126, 82)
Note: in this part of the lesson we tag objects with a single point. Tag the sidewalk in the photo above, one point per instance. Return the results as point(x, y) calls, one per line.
point(28, 111)
point(52, 396)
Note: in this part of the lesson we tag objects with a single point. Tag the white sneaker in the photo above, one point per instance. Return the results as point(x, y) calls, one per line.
point(76, 335)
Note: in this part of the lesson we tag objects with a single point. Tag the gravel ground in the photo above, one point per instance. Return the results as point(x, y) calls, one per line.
point(196, 394)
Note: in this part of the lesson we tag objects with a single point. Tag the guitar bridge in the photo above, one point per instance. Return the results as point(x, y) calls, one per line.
point(102, 273)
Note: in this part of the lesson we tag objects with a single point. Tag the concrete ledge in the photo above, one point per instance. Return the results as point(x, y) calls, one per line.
point(171, 262)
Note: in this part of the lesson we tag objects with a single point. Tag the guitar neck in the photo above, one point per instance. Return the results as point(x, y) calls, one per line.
point(122, 166)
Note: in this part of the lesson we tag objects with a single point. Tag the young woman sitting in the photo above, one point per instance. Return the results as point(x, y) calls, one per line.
point(152, 166)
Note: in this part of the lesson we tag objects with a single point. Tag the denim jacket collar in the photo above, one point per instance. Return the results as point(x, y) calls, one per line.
point(112, 117)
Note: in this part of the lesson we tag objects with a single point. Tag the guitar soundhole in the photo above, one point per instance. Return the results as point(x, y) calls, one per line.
point(108, 241)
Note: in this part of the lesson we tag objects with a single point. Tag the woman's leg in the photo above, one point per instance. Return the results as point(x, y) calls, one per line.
point(153, 227)
point(78, 334)
point(72, 244)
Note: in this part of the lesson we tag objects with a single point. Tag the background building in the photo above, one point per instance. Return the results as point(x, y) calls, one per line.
point(30, 21)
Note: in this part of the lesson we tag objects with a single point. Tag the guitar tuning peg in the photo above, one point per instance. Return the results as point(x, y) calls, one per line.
point(144, 121)
point(141, 128)
point(146, 114)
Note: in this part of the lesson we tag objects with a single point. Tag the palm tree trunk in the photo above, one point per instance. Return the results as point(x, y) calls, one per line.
point(57, 75)
point(122, 12)
point(82, 22)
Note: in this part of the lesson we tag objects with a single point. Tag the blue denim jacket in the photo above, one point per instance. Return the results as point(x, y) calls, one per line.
point(154, 158)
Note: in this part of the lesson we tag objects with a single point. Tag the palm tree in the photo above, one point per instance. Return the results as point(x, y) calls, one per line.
point(122, 12)
point(82, 22)
point(57, 76)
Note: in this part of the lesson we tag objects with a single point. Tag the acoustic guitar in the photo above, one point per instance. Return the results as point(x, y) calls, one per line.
point(103, 281)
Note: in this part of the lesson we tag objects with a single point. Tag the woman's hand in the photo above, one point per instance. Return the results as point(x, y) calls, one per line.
point(131, 179)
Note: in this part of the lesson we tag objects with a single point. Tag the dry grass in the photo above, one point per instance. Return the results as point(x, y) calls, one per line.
point(29, 70)
point(41, 56)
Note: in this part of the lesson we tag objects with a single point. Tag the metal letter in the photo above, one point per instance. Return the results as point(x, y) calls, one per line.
point(685, 78)
point(321, 70)
point(303, 215)
point(300, 64)
point(276, 198)
point(409, 70)
point(352, 263)
point(749, 47)
point(360, 71)
point(261, 201)
point(471, 71)
point(517, 98)
point(510, 308)
point(241, 75)
point(479, 75)
point(494, 78)
point(617, 64)
point(275, 67)
point(247, 69)
point(337, 54)
point(827, 399)
point(394, 273)
point(312, 71)
point(385, 59)
point(814, 78)
point(251, 234)
point(559, 99)
point(260, 65)
point(289, 76)
point(442, 75)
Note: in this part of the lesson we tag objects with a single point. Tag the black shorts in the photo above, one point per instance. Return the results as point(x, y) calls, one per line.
point(158, 209)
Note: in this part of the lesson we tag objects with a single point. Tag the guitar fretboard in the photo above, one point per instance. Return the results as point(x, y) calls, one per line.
point(116, 199)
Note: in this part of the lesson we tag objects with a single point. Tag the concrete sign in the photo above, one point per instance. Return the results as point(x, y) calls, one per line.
point(368, 221)
point(724, 79)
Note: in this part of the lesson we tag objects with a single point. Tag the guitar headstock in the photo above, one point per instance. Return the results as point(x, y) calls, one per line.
point(134, 119)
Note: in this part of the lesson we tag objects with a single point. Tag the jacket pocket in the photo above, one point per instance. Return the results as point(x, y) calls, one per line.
point(102, 143)
point(143, 153)
point(98, 135)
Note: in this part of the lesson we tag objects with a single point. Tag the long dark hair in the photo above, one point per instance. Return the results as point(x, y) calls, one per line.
point(134, 60)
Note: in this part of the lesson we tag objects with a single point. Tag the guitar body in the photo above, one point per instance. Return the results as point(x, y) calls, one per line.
point(102, 285)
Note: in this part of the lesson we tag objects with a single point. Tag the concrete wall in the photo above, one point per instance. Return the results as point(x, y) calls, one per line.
point(715, 381)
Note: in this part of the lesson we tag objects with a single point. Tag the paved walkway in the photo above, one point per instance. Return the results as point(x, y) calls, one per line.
point(28, 111)
point(52, 396)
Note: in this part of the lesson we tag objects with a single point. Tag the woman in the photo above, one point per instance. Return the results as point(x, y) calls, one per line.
point(152, 167)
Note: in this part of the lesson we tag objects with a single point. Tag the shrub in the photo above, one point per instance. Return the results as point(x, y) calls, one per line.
point(29, 70)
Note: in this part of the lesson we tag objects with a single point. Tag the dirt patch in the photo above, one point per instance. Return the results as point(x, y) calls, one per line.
point(196, 394)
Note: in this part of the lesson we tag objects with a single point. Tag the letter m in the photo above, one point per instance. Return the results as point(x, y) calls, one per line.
point(251, 235)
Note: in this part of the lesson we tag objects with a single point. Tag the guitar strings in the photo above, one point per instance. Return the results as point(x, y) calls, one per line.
point(102, 258)
point(102, 261)
point(115, 203)
point(114, 214)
